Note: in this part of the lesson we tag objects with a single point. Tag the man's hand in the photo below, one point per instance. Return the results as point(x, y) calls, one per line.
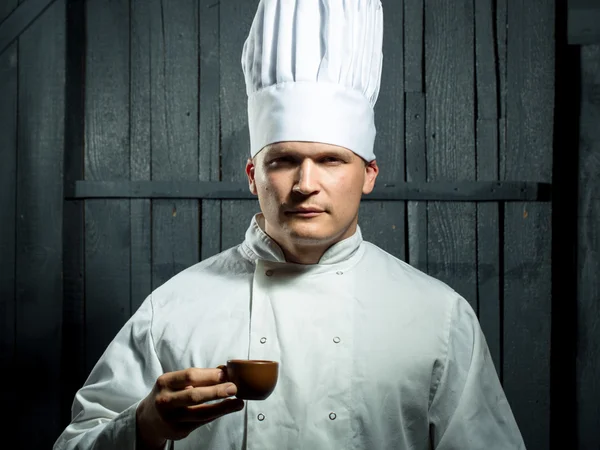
point(177, 405)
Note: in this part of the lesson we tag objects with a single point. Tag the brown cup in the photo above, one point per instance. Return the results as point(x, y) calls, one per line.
point(255, 379)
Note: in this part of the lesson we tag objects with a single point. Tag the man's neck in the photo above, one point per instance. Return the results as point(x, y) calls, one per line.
point(303, 255)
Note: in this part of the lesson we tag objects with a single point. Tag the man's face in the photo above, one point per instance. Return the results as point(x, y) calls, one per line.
point(309, 193)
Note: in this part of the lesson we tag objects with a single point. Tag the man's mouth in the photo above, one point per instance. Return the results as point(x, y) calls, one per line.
point(305, 212)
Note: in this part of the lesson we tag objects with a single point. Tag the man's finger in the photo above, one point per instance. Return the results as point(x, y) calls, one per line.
point(195, 396)
point(194, 377)
point(208, 412)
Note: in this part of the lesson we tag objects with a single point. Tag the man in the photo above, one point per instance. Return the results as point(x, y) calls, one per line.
point(373, 353)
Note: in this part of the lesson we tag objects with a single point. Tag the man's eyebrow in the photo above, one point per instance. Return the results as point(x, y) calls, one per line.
point(278, 151)
point(286, 151)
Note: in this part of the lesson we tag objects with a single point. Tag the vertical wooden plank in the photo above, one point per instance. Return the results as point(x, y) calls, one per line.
point(210, 122)
point(107, 222)
point(235, 20)
point(174, 115)
point(449, 80)
point(413, 45)
point(39, 226)
point(501, 27)
point(8, 194)
point(141, 147)
point(416, 171)
point(414, 116)
point(383, 223)
point(486, 67)
point(527, 231)
point(488, 233)
point(502, 48)
point(73, 330)
point(588, 351)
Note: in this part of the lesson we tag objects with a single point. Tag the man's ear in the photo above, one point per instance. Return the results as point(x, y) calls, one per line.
point(371, 172)
point(251, 179)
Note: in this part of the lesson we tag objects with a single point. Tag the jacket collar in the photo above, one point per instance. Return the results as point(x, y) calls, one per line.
point(258, 245)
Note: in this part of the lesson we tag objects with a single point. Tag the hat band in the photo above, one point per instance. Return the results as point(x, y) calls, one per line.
point(311, 112)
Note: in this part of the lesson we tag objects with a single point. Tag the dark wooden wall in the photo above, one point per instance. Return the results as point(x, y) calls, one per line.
point(127, 90)
point(588, 253)
point(32, 105)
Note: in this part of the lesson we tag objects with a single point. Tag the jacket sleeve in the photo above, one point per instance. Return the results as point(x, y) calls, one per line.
point(469, 409)
point(104, 409)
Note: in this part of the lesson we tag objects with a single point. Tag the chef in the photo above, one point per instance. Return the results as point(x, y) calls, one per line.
point(373, 353)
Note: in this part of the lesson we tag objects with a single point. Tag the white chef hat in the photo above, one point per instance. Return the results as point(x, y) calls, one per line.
point(312, 71)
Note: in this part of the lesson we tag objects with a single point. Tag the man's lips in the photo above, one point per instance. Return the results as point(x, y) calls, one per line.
point(309, 212)
point(305, 211)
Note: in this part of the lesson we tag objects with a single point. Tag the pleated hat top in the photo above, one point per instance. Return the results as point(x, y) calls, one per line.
point(313, 70)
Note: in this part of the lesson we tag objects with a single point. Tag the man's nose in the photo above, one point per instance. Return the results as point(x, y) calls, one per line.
point(306, 183)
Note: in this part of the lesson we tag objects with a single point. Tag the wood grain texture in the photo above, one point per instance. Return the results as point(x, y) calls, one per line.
point(416, 171)
point(235, 19)
point(383, 224)
point(588, 297)
point(174, 133)
point(501, 27)
point(413, 45)
point(39, 226)
point(107, 222)
point(450, 131)
point(527, 230)
point(140, 142)
point(8, 197)
point(209, 123)
point(486, 61)
point(488, 232)
point(414, 118)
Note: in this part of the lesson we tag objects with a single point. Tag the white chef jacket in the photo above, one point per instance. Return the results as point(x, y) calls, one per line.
point(373, 354)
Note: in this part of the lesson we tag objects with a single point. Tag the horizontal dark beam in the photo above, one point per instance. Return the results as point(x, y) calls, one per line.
point(477, 191)
point(19, 20)
point(584, 22)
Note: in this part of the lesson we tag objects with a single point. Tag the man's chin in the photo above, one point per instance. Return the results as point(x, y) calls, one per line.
point(309, 233)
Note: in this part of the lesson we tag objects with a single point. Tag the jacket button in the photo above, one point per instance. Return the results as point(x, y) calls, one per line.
point(261, 417)
point(332, 416)
point(340, 273)
point(269, 273)
point(263, 340)
point(336, 340)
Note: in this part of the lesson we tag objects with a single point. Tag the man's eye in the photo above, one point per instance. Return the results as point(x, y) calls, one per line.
point(331, 159)
point(282, 160)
